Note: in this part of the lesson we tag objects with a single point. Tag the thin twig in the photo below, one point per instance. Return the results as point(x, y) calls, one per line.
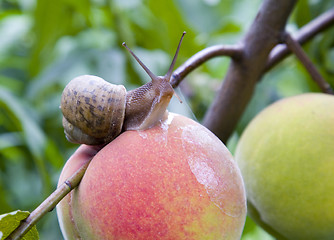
point(233, 51)
point(294, 46)
point(48, 204)
point(306, 33)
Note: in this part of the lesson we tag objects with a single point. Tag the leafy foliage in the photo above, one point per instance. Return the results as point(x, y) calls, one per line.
point(45, 43)
point(9, 221)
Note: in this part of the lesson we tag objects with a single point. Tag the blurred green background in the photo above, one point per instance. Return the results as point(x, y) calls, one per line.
point(44, 44)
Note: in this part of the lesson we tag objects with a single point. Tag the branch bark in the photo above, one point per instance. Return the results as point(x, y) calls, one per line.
point(307, 32)
point(294, 46)
point(278, 53)
point(233, 51)
point(243, 74)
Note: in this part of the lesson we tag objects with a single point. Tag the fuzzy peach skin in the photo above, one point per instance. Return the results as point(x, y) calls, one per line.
point(174, 181)
point(286, 155)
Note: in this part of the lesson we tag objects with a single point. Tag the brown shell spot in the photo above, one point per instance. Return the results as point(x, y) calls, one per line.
point(101, 108)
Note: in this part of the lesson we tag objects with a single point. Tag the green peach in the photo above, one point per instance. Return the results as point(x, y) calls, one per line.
point(173, 181)
point(286, 156)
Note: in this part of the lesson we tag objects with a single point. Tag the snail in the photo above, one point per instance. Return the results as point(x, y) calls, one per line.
point(95, 111)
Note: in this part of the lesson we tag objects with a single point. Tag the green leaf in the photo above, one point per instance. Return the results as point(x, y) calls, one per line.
point(10, 221)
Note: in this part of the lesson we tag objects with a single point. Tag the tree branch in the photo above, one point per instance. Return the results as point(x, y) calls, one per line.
point(233, 51)
point(279, 52)
point(306, 33)
point(294, 46)
point(243, 74)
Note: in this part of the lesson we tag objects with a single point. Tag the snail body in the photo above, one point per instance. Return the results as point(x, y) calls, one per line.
point(95, 111)
point(157, 95)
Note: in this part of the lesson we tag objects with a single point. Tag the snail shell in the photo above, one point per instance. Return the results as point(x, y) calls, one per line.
point(93, 110)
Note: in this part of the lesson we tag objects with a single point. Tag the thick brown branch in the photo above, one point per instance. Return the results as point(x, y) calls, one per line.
point(243, 74)
point(307, 32)
point(233, 51)
point(294, 46)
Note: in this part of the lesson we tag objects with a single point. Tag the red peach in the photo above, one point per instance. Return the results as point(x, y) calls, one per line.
point(176, 180)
